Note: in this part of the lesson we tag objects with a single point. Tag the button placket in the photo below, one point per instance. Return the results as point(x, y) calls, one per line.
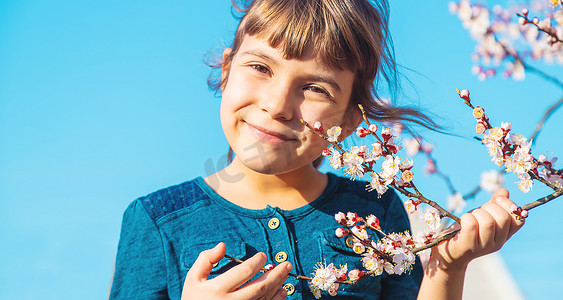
point(280, 239)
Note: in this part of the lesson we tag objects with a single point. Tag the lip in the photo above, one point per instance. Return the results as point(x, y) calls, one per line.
point(268, 136)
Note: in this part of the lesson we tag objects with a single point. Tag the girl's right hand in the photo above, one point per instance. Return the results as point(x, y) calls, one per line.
point(229, 285)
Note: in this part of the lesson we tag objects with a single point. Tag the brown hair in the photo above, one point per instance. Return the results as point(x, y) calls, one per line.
point(346, 34)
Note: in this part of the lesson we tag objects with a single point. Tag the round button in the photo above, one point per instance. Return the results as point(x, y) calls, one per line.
point(350, 242)
point(274, 223)
point(281, 257)
point(215, 264)
point(289, 288)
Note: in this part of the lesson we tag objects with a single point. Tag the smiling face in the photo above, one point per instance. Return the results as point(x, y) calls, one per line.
point(264, 97)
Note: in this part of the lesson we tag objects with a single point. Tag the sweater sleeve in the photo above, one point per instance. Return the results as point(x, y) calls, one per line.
point(406, 285)
point(140, 267)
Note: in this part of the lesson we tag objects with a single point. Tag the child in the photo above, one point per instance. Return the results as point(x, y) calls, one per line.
point(291, 59)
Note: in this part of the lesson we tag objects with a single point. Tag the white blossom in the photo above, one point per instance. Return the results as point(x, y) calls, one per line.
point(456, 203)
point(333, 133)
point(491, 181)
point(376, 184)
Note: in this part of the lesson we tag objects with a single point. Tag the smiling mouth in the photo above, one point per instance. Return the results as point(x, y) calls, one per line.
point(268, 136)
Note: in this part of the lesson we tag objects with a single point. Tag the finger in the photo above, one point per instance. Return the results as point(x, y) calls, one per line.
point(503, 219)
point(469, 232)
point(204, 263)
point(239, 274)
point(500, 193)
point(487, 228)
point(516, 222)
point(281, 294)
point(267, 285)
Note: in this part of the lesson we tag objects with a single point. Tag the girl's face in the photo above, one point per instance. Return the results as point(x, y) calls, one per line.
point(264, 97)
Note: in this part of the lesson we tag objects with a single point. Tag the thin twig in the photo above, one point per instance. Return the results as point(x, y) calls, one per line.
point(546, 116)
point(472, 193)
point(543, 200)
point(435, 241)
point(553, 34)
point(526, 66)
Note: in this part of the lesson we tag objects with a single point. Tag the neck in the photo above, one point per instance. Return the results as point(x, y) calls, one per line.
point(254, 190)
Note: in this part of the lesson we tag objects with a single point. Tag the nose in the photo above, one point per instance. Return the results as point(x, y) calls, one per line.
point(278, 101)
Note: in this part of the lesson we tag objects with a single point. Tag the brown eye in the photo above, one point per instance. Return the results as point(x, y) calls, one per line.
point(318, 90)
point(260, 68)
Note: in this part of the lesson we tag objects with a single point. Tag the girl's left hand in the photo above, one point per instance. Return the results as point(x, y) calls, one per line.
point(483, 230)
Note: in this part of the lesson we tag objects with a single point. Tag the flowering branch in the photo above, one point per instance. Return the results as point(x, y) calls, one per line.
point(518, 59)
point(359, 162)
point(486, 26)
point(435, 241)
point(514, 153)
point(266, 268)
point(540, 25)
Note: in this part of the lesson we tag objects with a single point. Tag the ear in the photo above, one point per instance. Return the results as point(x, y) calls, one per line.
point(225, 67)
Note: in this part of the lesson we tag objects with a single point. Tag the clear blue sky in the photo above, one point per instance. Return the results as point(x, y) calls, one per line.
point(105, 101)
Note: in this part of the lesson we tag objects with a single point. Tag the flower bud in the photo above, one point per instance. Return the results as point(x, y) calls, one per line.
point(522, 21)
point(536, 21)
point(269, 266)
point(464, 94)
point(524, 213)
point(318, 126)
point(430, 167)
point(506, 126)
point(525, 11)
point(361, 132)
point(340, 217)
point(373, 128)
point(341, 232)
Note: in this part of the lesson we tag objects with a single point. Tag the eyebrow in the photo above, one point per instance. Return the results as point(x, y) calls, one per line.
point(312, 77)
point(324, 79)
point(260, 54)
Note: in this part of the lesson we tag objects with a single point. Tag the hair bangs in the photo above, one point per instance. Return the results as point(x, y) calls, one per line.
point(304, 27)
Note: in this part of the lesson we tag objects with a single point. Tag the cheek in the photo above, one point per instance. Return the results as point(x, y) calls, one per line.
point(313, 146)
point(328, 115)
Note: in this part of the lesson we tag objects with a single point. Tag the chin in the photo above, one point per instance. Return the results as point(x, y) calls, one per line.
point(271, 165)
